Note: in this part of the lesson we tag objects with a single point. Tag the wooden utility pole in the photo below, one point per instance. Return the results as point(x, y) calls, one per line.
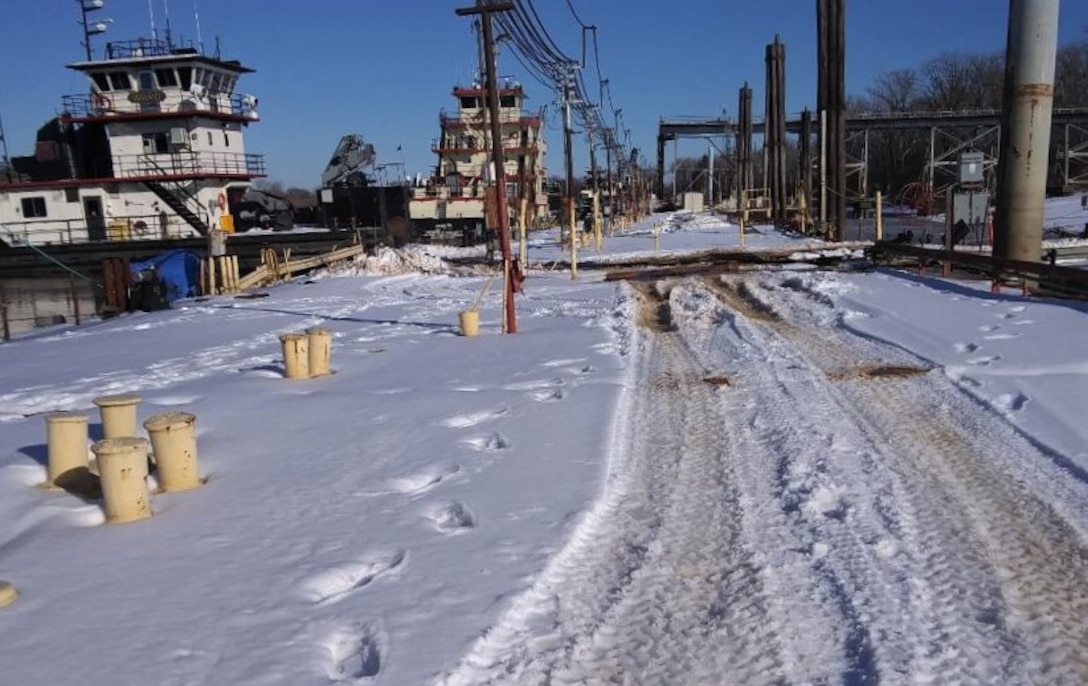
point(568, 88)
point(485, 10)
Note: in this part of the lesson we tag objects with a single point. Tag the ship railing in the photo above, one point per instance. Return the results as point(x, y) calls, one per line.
point(481, 117)
point(444, 192)
point(46, 231)
point(136, 102)
point(512, 145)
point(147, 47)
point(188, 163)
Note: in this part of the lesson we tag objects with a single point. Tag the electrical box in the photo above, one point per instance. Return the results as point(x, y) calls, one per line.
point(971, 166)
point(693, 202)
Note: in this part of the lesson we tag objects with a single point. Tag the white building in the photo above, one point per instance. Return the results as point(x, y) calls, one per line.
point(154, 149)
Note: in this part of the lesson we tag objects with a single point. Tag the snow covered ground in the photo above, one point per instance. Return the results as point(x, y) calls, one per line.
point(800, 476)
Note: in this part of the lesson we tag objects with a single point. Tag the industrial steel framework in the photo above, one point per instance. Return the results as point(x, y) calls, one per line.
point(949, 134)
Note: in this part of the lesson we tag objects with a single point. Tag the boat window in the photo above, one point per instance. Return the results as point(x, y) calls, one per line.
point(216, 85)
point(167, 78)
point(185, 77)
point(71, 195)
point(100, 80)
point(147, 80)
point(156, 143)
point(119, 81)
point(469, 103)
point(229, 83)
point(507, 101)
point(206, 78)
point(226, 140)
point(34, 207)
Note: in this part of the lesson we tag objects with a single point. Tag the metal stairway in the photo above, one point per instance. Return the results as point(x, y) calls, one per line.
point(178, 201)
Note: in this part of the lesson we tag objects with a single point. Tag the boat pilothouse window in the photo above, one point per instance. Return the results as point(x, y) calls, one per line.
point(167, 78)
point(34, 207)
point(101, 82)
point(119, 81)
point(147, 80)
point(185, 78)
point(507, 101)
point(468, 102)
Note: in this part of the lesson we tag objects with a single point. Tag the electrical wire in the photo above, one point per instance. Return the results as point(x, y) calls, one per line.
point(539, 53)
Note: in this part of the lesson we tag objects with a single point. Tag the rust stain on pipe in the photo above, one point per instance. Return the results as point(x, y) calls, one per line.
point(1035, 90)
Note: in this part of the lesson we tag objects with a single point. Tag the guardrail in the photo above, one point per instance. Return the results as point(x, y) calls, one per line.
point(66, 231)
point(188, 163)
point(129, 102)
point(1047, 277)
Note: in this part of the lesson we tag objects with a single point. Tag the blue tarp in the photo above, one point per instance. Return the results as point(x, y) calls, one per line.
point(179, 270)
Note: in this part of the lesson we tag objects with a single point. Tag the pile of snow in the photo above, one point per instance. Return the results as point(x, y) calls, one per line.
point(388, 261)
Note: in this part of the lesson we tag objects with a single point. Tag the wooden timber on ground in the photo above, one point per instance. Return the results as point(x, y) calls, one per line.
point(716, 260)
point(279, 266)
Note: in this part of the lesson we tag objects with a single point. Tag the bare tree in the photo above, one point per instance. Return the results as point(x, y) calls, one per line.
point(895, 91)
point(947, 82)
point(1071, 75)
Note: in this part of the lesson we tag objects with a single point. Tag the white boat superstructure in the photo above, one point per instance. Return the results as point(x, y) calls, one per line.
point(155, 148)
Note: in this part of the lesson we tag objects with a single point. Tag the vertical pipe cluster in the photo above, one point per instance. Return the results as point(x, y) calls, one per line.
point(744, 144)
point(831, 103)
point(1030, 53)
point(774, 132)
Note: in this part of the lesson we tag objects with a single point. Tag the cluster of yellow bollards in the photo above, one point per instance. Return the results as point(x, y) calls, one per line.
point(306, 355)
point(122, 457)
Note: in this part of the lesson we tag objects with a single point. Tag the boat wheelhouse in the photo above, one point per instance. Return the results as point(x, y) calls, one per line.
point(452, 204)
point(153, 149)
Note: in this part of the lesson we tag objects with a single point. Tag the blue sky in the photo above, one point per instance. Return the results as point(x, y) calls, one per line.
point(385, 68)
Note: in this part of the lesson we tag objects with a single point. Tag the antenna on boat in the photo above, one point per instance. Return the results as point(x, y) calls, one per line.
point(196, 16)
point(151, 14)
point(166, 13)
point(4, 150)
point(91, 27)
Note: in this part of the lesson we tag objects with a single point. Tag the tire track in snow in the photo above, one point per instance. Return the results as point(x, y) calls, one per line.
point(825, 527)
point(658, 584)
point(1001, 577)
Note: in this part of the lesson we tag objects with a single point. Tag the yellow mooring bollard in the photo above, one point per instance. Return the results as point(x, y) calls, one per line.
point(173, 441)
point(67, 436)
point(296, 356)
point(122, 464)
point(470, 322)
point(118, 414)
point(319, 342)
point(8, 594)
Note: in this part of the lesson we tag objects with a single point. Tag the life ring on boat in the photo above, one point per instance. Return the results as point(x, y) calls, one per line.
point(101, 102)
point(221, 201)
